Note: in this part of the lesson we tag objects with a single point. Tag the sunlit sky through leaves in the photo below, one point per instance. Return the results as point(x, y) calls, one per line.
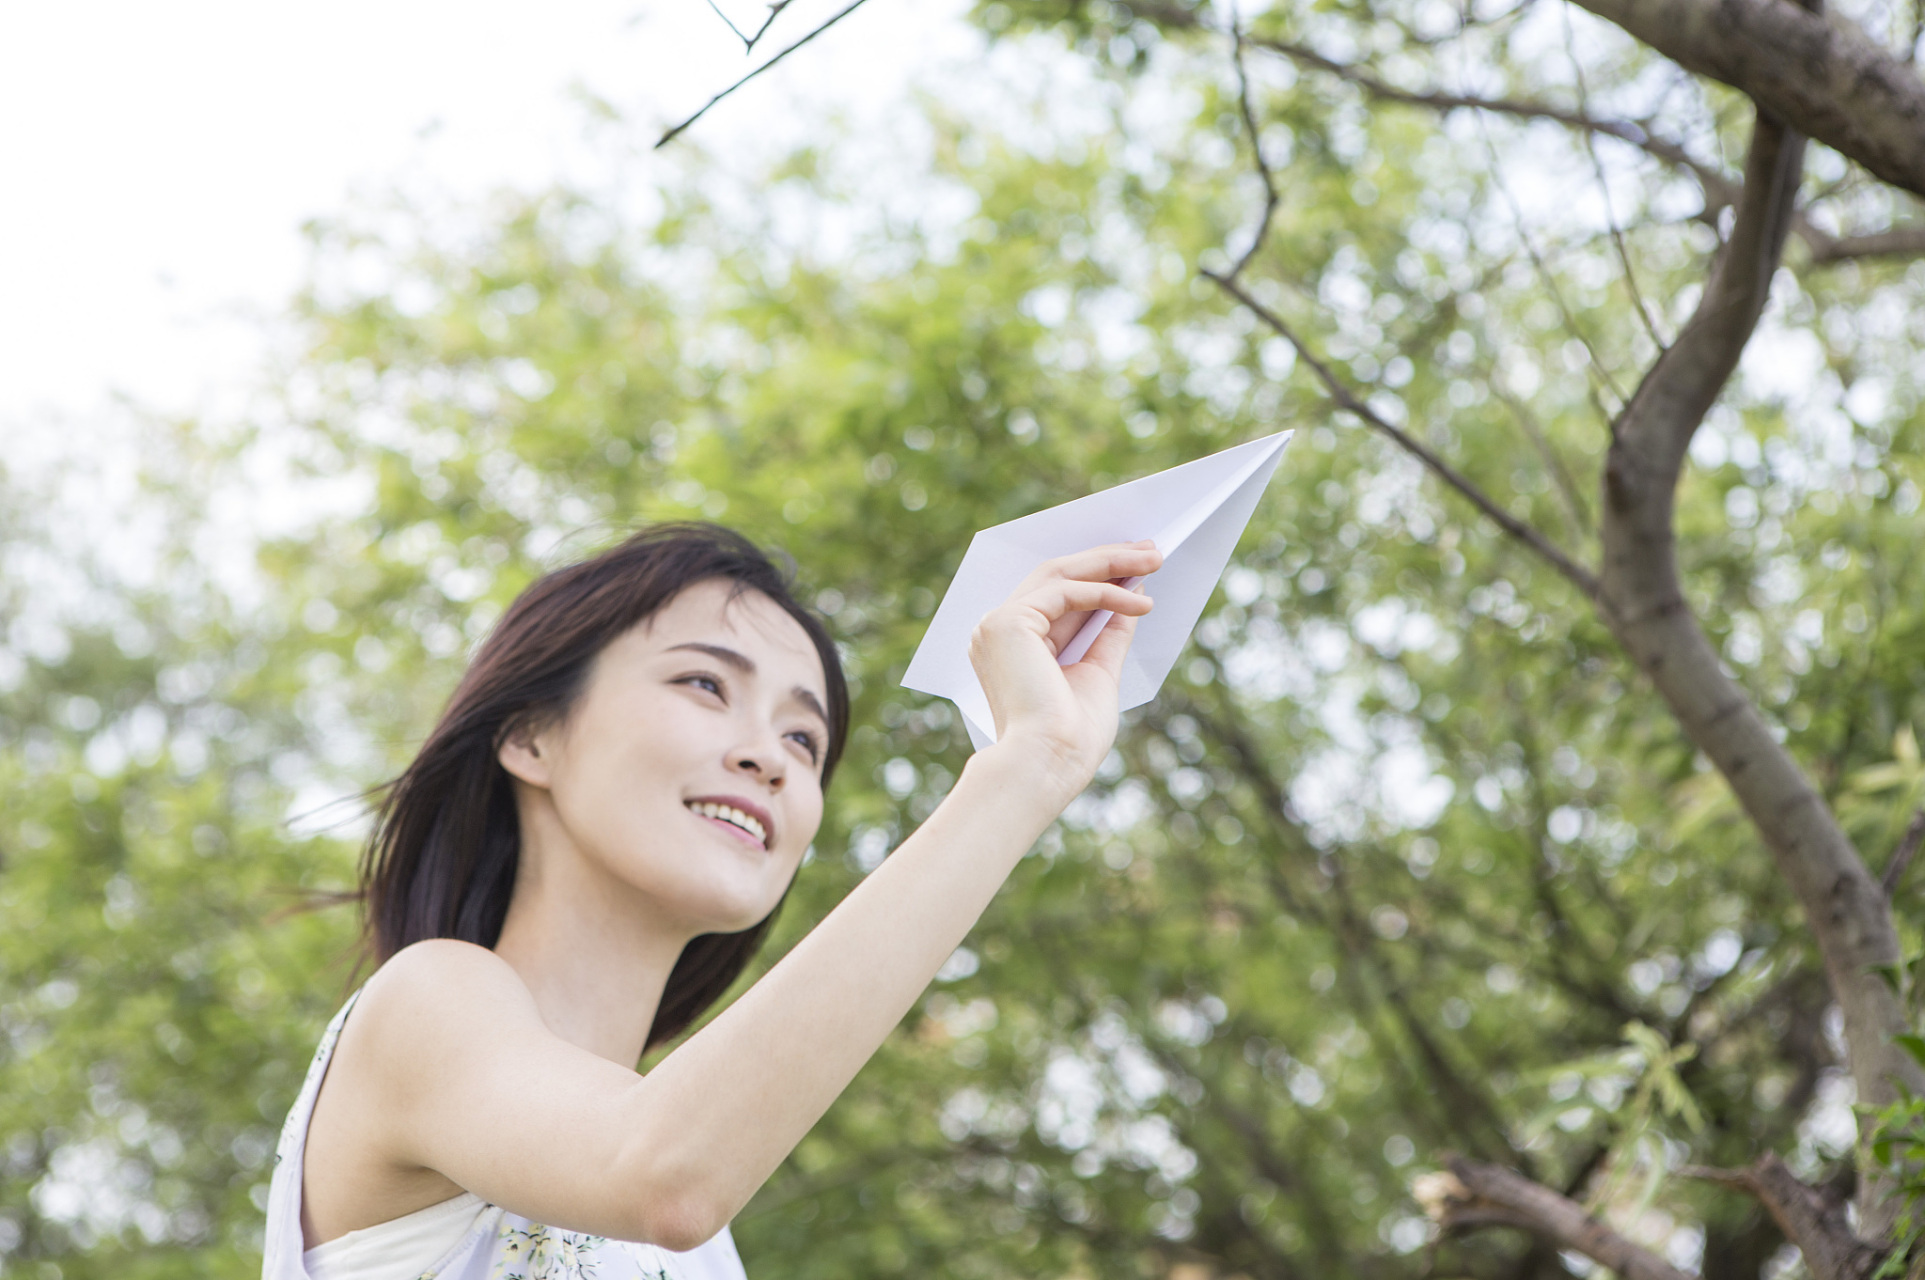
point(161, 160)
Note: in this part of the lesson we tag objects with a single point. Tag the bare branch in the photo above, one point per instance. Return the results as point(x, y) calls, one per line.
point(775, 11)
point(1256, 149)
point(838, 16)
point(1719, 189)
point(729, 23)
point(1604, 191)
point(1810, 1219)
point(1348, 401)
point(1903, 855)
point(1819, 73)
point(749, 42)
point(1642, 600)
point(1900, 242)
point(1575, 508)
point(1473, 1194)
point(1550, 281)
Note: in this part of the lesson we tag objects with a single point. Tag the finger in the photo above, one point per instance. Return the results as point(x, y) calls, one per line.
point(1058, 601)
point(1112, 643)
point(1098, 564)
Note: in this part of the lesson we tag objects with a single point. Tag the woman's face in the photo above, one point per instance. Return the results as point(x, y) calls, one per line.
point(689, 768)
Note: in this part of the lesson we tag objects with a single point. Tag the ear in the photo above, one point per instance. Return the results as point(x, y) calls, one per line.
point(526, 756)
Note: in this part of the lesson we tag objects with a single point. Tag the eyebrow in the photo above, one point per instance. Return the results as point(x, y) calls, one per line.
point(746, 665)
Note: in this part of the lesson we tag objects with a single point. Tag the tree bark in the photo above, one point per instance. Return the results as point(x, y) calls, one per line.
point(1642, 600)
point(1820, 74)
point(1473, 1194)
point(1899, 242)
point(1809, 1218)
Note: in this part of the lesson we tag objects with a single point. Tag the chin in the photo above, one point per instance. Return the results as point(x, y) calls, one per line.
point(732, 913)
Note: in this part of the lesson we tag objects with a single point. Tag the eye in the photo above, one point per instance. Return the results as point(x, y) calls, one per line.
point(809, 744)
point(703, 680)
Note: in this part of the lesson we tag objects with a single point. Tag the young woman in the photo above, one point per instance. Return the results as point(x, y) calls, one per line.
point(583, 857)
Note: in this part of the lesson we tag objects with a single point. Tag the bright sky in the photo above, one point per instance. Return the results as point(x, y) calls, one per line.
point(159, 160)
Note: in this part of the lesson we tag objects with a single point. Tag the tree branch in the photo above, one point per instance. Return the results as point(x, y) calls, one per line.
point(1341, 394)
point(1473, 1194)
point(749, 42)
point(1902, 856)
point(1346, 400)
point(1549, 281)
point(1810, 1219)
point(1819, 73)
point(838, 16)
point(1270, 197)
point(1575, 508)
point(1899, 242)
point(1641, 598)
point(1719, 189)
point(1604, 191)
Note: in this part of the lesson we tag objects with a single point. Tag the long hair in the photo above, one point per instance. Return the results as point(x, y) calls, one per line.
point(447, 839)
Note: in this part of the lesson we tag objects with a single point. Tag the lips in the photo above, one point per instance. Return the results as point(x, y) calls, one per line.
point(742, 816)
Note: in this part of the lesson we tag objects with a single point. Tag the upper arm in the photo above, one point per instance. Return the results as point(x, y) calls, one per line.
point(463, 1077)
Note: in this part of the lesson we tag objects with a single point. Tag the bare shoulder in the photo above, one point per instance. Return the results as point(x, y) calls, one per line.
point(441, 993)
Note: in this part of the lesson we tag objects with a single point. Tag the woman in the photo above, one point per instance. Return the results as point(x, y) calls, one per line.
point(584, 855)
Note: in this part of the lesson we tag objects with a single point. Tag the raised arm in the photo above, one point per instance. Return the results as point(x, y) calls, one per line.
point(528, 1121)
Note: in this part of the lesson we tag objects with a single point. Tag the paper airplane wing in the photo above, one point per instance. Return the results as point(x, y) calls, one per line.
point(1195, 512)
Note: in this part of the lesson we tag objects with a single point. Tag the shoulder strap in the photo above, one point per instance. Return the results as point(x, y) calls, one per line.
point(281, 1252)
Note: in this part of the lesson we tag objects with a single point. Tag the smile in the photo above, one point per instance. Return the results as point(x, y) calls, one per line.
point(748, 823)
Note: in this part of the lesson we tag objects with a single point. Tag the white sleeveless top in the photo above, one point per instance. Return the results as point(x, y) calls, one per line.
point(480, 1241)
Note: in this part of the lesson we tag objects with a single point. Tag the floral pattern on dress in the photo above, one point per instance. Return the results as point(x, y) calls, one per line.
point(548, 1253)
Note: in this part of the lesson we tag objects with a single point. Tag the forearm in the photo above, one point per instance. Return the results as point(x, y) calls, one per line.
point(723, 1111)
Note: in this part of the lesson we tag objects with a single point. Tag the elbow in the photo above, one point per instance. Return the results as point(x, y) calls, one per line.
point(668, 1190)
point(681, 1220)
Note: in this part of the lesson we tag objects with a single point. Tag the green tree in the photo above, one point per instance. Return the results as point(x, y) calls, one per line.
point(1408, 859)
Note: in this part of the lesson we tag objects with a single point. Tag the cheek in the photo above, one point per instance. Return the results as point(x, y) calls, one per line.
point(805, 819)
point(655, 737)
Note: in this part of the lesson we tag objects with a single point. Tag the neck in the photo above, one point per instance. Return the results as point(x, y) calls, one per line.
point(592, 952)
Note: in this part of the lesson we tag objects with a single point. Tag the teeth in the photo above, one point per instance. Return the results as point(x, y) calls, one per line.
point(731, 815)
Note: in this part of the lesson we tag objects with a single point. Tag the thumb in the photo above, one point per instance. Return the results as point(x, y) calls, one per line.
point(1111, 645)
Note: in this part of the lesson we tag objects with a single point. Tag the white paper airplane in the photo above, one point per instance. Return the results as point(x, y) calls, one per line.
point(1195, 512)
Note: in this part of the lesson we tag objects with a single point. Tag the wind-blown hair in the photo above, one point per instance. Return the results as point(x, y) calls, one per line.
point(447, 839)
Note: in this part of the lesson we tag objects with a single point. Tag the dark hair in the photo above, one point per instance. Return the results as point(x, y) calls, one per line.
point(447, 838)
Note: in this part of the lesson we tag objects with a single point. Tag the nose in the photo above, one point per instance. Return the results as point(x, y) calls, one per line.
point(763, 762)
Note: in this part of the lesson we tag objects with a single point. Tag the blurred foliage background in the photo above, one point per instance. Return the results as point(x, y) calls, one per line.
point(1404, 859)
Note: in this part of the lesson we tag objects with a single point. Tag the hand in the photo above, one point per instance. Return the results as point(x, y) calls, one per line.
point(1067, 714)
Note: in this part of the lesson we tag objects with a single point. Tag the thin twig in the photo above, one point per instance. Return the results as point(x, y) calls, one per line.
point(1575, 508)
point(1902, 856)
point(775, 11)
point(1550, 282)
point(1348, 401)
point(1899, 242)
point(728, 22)
point(1719, 189)
point(1466, 20)
point(1256, 148)
point(1340, 393)
point(840, 14)
point(1604, 191)
point(749, 42)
